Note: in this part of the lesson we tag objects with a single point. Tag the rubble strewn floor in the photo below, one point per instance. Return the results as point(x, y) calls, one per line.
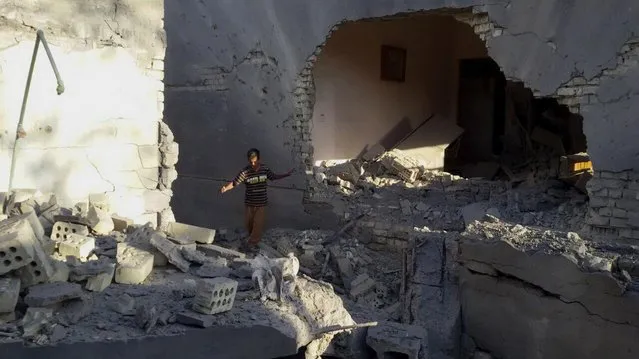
point(395, 262)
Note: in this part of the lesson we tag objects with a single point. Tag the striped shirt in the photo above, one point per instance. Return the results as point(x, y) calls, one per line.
point(255, 182)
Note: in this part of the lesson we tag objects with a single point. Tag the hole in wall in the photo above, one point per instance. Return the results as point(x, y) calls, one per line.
point(397, 82)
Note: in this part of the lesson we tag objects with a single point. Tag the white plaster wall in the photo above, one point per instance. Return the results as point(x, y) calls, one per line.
point(354, 108)
point(101, 135)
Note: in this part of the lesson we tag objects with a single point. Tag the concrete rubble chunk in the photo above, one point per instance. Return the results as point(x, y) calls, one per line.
point(61, 230)
point(35, 320)
point(76, 245)
point(17, 242)
point(43, 295)
point(133, 264)
point(171, 251)
point(90, 269)
point(9, 294)
point(100, 221)
point(195, 256)
point(140, 238)
point(39, 270)
point(121, 224)
point(217, 251)
point(215, 295)
point(198, 234)
point(146, 317)
point(390, 339)
point(61, 271)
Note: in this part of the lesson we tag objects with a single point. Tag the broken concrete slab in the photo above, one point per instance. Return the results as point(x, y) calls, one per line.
point(390, 339)
point(198, 234)
point(194, 319)
point(43, 295)
point(521, 312)
point(171, 251)
point(101, 281)
point(554, 261)
point(9, 294)
point(133, 264)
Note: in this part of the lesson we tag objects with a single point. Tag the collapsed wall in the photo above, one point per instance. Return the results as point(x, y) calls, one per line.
point(105, 133)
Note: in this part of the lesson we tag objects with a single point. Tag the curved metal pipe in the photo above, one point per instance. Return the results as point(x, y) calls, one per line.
point(59, 89)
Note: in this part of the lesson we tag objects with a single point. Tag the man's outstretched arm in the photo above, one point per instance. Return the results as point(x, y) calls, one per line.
point(236, 181)
point(274, 176)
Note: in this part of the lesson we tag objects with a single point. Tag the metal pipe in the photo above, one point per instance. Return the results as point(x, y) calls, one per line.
point(59, 89)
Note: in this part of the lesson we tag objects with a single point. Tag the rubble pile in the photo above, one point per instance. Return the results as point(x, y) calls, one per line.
point(82, 274)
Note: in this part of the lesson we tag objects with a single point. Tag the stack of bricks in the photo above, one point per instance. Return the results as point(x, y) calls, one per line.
point(614, 205)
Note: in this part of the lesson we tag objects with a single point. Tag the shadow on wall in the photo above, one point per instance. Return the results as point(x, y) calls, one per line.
point(219, 107)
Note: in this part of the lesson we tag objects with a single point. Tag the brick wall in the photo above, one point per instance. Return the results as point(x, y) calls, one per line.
point(614, 205)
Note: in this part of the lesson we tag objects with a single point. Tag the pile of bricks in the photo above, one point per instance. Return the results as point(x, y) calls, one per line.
point(51, 255)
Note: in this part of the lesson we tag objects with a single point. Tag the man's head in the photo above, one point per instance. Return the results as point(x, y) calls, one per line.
point(253, 156)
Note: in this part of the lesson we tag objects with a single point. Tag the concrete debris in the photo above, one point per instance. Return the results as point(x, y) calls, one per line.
point(44, 295)
point(171, 251)
point(9, 294)
point(197, 234)
point(35, 320)
point(123, 304)
point(133, 264)
point(146, 317)
point(215, 295)
point(393, 339)
point(76, 245)
point(100, 220)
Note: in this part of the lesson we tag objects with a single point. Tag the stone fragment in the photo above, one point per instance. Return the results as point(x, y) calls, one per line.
point(9, 294)
point(76, 245)
point(61, 230)
point(474, 212)
point(100, 221)
point(100, 282)
point(194, 319)
point(43, 295)
point(361, 285)
point(198, 234)
point(90, 269)
point(193, 255)
point(35, 320)
point(215, 295)
point(217, 251)
point(60, 271)
point(390, 340)
point(123, 304)
point(133, 264)
point(171, 251)
point(121, 224)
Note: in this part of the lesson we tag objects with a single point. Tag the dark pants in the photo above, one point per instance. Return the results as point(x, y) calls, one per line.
point(254, 218)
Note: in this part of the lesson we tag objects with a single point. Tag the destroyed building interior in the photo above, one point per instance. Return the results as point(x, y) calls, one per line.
point(466, 181)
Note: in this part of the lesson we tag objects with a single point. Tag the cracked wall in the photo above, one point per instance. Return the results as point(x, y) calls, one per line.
point(102, 135)
point(549, 45)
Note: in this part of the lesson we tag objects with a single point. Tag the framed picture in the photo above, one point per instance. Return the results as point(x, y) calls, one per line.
point(393, 64)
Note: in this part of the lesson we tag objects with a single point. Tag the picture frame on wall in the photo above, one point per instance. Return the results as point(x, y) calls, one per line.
point(393, 63)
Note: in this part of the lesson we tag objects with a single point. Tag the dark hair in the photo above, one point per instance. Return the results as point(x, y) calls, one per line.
point(253, 152)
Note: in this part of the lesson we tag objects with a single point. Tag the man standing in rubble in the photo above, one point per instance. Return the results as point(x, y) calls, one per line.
point(255, 177)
